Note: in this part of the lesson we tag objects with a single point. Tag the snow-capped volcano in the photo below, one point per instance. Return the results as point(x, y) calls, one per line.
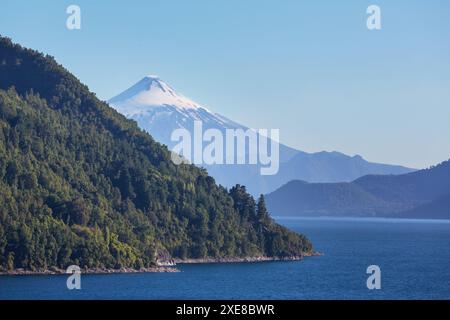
point(160, 110)
point(151, 92)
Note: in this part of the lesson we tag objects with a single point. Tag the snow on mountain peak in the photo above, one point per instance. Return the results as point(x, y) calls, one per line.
point(149, 93)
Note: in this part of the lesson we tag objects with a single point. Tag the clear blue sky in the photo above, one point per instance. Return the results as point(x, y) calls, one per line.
point(310, 68)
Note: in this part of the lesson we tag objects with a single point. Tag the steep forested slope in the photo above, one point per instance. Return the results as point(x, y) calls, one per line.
point(80, 184)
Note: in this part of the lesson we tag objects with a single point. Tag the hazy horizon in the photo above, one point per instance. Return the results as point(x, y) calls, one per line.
point(313, 70)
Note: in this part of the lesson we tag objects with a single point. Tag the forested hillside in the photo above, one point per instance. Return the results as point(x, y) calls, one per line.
point(80, 184)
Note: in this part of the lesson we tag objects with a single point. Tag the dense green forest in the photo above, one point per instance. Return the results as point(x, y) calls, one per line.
point(80, 184)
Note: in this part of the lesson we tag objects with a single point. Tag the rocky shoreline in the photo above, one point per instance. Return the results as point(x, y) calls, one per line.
point(56, 271)
point(235, 260)
point(163, 267)
point(244, 259)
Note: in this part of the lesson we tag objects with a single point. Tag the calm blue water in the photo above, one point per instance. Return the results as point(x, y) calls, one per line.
point(414, 257)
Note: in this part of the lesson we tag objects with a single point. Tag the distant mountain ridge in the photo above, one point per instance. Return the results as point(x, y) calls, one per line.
point(159, 110)
point(421, 194)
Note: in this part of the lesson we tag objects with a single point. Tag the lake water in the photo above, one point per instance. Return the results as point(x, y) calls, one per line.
point(414, 257)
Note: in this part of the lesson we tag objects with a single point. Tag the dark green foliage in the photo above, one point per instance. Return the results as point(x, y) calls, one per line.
point(80, 184)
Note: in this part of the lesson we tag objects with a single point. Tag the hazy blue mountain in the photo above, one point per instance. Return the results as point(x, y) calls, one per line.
point(436, 209)
point(159, 109)
point(420, 194)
